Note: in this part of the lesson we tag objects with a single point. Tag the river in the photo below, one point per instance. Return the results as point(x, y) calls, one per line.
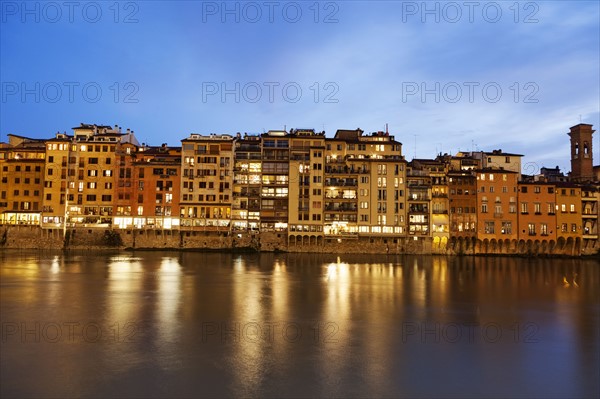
point(189, 324)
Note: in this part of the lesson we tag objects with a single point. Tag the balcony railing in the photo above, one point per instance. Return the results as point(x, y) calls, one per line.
point(341, 183)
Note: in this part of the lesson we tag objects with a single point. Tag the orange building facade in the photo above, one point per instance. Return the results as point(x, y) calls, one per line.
point(537, 211)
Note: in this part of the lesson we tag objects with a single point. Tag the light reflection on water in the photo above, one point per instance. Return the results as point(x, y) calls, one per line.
point(209, 324)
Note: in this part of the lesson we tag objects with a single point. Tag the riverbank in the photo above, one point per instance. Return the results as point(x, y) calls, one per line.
point(33, 237)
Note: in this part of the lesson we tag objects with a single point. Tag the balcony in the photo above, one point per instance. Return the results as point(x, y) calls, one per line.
point(419, 173)
point(344, 207)
point(341, 182)
point(418, 197)
point(340, 197)
point(345, 170)
point(498, 214)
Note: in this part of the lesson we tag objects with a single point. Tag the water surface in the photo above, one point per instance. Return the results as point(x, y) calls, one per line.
point(167, 324)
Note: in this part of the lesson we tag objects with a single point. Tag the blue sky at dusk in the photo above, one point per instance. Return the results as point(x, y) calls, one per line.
point(455, 76)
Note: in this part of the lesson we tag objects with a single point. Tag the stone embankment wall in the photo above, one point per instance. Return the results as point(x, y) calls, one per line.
point(33, 237)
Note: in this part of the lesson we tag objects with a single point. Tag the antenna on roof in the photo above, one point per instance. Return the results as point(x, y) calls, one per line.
point(415, 146)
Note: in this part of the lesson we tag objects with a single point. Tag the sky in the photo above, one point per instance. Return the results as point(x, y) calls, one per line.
point(442, 76)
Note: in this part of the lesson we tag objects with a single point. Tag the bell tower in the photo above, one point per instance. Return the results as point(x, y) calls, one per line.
point(581, 153)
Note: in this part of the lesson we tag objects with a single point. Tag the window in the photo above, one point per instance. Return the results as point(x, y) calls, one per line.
point(544, 229)
point(563, 228)
point(523, 189)
point(537, 207)
point(573, 228)
point(524, 208)
point(572, 207)
point(489, 227)
point(537, 189)
point(506, 228)
point(484, 208)
point(531, 228)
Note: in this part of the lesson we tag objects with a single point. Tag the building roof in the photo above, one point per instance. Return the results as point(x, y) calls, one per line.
point(500, 153)
point(91, 126)
point(348, 135)
point(495, 170)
